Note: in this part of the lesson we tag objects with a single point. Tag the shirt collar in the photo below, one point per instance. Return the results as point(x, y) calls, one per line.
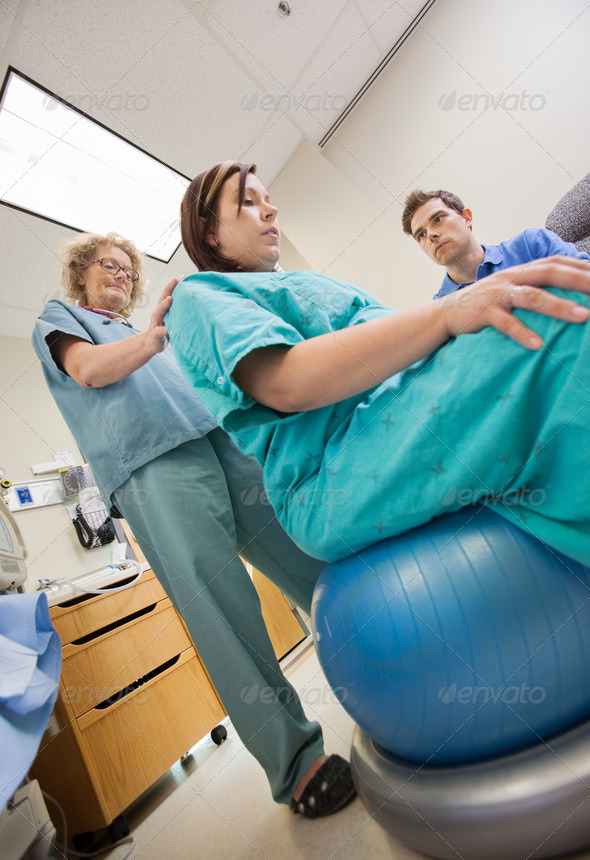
point(491, 254)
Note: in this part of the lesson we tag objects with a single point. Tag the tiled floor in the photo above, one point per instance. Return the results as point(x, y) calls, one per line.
point(219, 806)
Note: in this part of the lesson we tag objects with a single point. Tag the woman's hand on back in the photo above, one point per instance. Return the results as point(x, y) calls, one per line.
point(156, 336)
point(95, 365)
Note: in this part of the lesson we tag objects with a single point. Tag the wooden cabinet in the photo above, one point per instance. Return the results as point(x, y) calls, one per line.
point(133, 698)
point(284, 629)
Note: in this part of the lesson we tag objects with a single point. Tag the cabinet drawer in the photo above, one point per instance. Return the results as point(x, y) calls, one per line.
point(99, 669)
point(81, 618)
point(133, 742)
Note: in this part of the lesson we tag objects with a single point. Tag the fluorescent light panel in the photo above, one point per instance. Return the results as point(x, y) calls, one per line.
point(58, 163)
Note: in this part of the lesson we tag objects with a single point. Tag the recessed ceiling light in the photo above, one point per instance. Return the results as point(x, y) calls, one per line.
point(58, 163)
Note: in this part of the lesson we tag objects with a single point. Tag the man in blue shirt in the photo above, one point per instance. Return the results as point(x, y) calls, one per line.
point(442, 226)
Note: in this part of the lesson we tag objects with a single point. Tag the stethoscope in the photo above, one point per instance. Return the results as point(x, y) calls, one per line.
point(111, 316)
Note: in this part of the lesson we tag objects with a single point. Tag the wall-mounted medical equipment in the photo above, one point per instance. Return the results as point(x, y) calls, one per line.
point(13, 570)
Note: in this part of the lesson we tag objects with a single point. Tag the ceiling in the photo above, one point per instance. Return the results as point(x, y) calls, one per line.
point(192, 83)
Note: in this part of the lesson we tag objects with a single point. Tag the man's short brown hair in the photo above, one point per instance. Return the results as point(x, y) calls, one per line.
point(418, 198)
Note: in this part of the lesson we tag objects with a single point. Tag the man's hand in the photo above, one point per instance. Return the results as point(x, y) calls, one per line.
point(490, 302)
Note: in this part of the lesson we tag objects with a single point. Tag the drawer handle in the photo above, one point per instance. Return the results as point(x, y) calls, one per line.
point(83, 598)
point(120, 622)
point(108, 703)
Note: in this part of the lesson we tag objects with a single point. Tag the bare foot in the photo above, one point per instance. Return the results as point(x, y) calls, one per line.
point(309, 773)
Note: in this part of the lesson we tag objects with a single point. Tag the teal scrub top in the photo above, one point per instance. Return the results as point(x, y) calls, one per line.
point(481, 420)
point(125, 425)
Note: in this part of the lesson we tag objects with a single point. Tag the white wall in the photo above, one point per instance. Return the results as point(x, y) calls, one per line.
point(31, 431)
point(430, 122)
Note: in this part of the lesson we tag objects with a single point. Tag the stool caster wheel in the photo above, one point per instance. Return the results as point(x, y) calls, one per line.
point(118, 828)
point(82, 841)
point(218, 734)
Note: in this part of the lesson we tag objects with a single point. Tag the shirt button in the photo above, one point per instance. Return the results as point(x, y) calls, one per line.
point(220, 380)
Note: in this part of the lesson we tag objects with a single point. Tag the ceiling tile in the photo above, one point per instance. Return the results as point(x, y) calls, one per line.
point(275, 49)
point(9, 20)
point(268, 151)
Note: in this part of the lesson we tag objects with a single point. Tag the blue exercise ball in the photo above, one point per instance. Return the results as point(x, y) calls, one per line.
point(460, 640)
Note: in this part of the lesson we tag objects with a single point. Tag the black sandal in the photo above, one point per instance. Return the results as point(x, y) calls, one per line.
point(329, 790)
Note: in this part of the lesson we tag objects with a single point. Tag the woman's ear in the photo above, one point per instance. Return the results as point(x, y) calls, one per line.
point(210, 237)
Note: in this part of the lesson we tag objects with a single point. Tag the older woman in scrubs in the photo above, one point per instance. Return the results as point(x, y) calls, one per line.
point(193, 501)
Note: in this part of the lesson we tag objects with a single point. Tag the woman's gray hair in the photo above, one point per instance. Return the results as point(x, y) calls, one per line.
point(78, 254)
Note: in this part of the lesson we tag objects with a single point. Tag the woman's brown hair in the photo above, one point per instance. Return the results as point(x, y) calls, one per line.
point(198, 215)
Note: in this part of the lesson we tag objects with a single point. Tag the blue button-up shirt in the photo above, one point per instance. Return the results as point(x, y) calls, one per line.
point(532, 244)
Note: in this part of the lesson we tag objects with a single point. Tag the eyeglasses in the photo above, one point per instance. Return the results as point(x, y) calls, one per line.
point(111, 266)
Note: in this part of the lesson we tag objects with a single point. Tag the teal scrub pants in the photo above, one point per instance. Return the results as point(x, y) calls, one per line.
point(193, 510)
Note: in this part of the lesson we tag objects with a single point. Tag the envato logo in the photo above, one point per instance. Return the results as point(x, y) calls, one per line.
point(284, 101)
point(83, 695)
point(312, 498)
point(517, 695)
point(323, 695)
point(484, 101)
point(316, 300)
point(469, 298)
point(136, 496)
point(523, 496)
point(53, 294)
point(143, 301)
point(112, 102)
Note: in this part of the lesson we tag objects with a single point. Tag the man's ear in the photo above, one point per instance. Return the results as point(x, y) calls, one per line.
point(467, 216)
